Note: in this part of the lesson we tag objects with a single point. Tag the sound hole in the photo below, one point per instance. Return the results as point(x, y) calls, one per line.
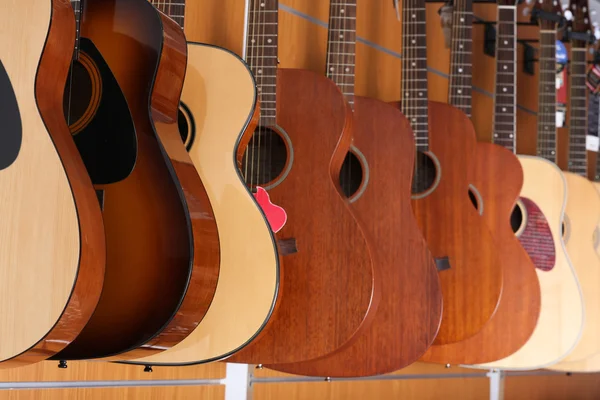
point(425, 173)
point(265, 157)
point(75, 110)
point(516, 219)
point(186, 126)
point(351, 175)
point(473, 199)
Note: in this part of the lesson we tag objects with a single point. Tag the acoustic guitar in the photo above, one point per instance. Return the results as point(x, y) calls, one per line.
point(217, 105)
point(497, 180)
point(401, 330)
point(162, 243)
point(327, 289)
point(52, 251)
point(582, 212)
point(541, 209)
point(470, 270)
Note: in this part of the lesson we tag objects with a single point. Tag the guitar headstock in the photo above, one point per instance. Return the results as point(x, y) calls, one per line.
point(548, 14)
point(581, 16)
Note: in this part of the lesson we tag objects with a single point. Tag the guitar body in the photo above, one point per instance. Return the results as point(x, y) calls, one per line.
point(401, 330)
point(597, 233)
point(161, 266)
point(472, 285)
point(51, 222)
point(218, 102)
point(498, 177)
point(587, 365)
point(327, 286)
point(582, 214)
point(561, 319)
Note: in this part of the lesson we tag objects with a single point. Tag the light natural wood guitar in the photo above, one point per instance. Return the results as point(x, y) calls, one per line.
point(218, 103)
point(542, 206)
point(583, 203)
point(52, 249)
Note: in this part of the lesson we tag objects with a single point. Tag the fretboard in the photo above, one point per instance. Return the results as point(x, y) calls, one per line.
point(505, 102)
point(546, 136)
point(461, 56)
point(261, 54)
point(414, 71)
point(578, 110)
point(341, 46)
point(76, 4)
point(593, 126)
point(174, 9)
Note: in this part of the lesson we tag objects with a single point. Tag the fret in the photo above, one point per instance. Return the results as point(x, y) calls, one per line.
point(260, 52)
point(173, 9)
point(414, 70)
point(341, 46)
point(578, 118)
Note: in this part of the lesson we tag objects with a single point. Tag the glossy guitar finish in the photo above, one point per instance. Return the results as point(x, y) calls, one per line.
point(220, 99)
point(402, 329)
point(51, 222)
point(498, 177)
point(327, 287)
point(561, 318)
point(461, 235)
point(162, 249)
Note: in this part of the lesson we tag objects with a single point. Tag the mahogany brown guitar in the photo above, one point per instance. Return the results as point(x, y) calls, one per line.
point(383, 144)
point(470, 269)
point(497, 177)
point(42, 173)
point(327, 286)
point(163, 255)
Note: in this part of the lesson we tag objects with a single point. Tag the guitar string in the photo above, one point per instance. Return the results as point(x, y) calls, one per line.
point(261, 41)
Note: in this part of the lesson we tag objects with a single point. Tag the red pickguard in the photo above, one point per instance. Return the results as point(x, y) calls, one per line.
point(537, 237)
point(276, 215)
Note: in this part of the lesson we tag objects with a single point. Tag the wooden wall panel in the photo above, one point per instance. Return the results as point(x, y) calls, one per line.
point(552, 387)
point(422, 389)
point(99, 371)
point(146, 393)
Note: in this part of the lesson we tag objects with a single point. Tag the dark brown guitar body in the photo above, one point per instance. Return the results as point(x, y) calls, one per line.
point(161, 236)
point(410, 310)
point(327, 287)
point(498, 176)
point(51, 78)
point(453, 228)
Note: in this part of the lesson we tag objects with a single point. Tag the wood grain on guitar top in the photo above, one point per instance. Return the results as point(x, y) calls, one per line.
point(454, 229)
point(327, 287)
point(498, 176)
point(561, 317)
point(149, 242)
point(51, 76)
point(220, 94)
point(409, 313)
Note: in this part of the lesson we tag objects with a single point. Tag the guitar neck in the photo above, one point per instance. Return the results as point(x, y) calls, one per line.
point(414, 67)
point(546, 135)
point(461, 56)
point(341, 46)
point(76, 4)
point(594, 127)
point(174, 9)
point(578, 109)
point(261, 54)
point(505, 102)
